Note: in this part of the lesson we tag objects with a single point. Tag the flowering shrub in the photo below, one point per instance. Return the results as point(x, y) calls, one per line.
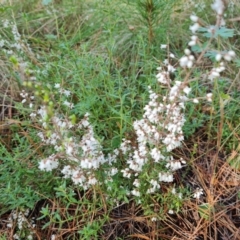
point(74, 148)
point(158, 133)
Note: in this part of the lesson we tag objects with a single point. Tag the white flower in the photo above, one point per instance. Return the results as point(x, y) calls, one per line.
point(193, 41)
point(135, 192)
point(195, 100)
point(187, 61)
point(53, 237)
point(114, 171)
point(69, 149)
point(175, 165)
point(194, 38)
point(67, 93)
point(23, 94)
point(156, 155)
point(48, 164)
point(43, 112)
point(16, 236)
point(68, 104)
point(213, 74)
point(194, 18)
point(209, 97)
point(163, 46)
point(78, 178)
point(171, 68)
point(183, 61)
point(126, 173)
point(187, 90)
point(165, 61)
point(170, 211)
point(9, 225)
point(92, 180)
point(173, 191)
point(197, 194)
point(194, 27)
point(229, 55)
point(218, 57)
point(163, 77)
point(67, 171)
point(189, 64)
point(125, 146)
point(154, 187)
point(187, 51)
point(57, 85)
point(218, 7)
point(136, 183)
point(232, 53)
point(165, 177)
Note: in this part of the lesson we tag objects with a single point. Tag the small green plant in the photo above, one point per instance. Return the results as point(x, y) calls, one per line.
point(91, 230)
point(3, 237)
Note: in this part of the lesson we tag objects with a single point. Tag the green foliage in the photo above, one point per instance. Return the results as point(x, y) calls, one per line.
point(91, 230)
point(3, 237)
point(19, 185)
point(213, 32)
point(205, 211)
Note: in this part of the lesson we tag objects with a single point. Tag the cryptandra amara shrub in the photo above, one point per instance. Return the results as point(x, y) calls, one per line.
point(150, 163)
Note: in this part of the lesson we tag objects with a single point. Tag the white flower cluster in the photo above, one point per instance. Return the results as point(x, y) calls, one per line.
point(227, 56)
point(198, 193)
point(175, 164)
point(27, 98)
point(19, 221)
point(218, 6)
point(154, 186)
point(125, 146)
point(158, 133)
point(163, 77)
point(17, 48)
point(187, 60)
point(194, 40)
point(209, 97)
point(80, 157)
point(215, 72)
point(196, 25)
point(49, 163)
point(18, 42)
